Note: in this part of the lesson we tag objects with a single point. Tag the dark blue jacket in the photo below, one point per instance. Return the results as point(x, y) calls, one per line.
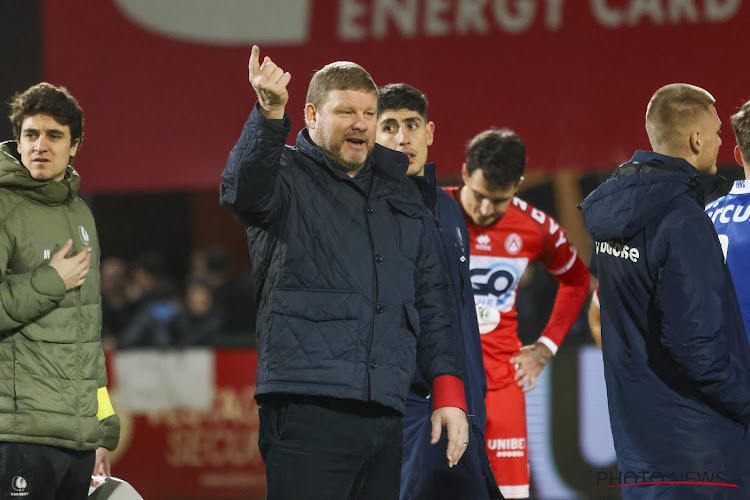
point(676, 358)
point(350, 289)
point(425, 473)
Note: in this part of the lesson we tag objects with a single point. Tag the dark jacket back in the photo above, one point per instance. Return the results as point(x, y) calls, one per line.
point(350, 289)
point(676, 357)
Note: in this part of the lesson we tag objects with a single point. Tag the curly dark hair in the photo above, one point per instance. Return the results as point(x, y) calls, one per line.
point(500, 154)
point(45, 98)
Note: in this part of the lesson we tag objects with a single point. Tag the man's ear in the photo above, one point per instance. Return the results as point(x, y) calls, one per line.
point(520, 181)
point(464, 173)
point(74, 147)
point(695, 142)
point(738, 156)
point(430, 133)
point(310, 116)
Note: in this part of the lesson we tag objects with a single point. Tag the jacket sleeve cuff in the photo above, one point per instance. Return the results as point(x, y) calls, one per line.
point(448, 390)
point(550, 345)
point(280, 126)
point(109, 432)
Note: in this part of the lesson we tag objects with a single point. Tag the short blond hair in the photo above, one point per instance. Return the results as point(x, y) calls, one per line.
point(672, 111)
point(339, 75)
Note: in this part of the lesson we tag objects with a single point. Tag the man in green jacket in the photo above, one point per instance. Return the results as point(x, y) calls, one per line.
point(56, 421)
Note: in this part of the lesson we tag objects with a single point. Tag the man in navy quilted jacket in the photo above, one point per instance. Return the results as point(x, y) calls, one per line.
point(404, 125)
point(351, 290)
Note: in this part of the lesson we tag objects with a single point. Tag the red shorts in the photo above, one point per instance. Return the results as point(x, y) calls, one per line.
point(506, 440)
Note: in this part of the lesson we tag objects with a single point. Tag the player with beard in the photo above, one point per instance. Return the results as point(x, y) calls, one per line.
point(506, 235)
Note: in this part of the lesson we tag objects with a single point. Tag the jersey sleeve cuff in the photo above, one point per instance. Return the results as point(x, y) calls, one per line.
point(550, 345)
point(448, 390)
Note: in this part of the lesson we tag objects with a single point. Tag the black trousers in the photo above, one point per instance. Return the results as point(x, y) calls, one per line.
point(39, 472)
point(329, 449)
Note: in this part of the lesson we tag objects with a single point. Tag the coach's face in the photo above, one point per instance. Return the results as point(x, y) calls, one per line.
point(343, 127)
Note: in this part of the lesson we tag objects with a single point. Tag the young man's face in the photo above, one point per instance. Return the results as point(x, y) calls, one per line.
point(45, 147)
point(484, 202)
point(343, 127)
point(406, 131)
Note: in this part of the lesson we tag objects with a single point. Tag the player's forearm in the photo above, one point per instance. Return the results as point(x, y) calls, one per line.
point(574, 287)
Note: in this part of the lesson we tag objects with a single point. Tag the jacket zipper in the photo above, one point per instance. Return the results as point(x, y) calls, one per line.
point(78, 330)
point(369, 360)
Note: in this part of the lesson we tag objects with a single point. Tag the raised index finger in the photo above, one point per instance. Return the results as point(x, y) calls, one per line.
point(254, 63)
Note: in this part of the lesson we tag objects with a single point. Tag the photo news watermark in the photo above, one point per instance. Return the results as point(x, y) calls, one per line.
point(648, 478)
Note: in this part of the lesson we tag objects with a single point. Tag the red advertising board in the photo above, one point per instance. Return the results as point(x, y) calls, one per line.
point(165, 91)
point(198, 454)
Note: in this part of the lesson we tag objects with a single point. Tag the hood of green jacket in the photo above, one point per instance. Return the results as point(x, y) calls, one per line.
point(15, 176)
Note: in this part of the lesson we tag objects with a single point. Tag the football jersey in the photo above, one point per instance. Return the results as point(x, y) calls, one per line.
point(500, 254)
point(731, 217)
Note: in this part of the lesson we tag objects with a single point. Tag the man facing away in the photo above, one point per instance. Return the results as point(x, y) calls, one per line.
point(350, 286)
point(404, 125)
point(730, 215)
point(506, 235)
point(56, 421)
point(676, 359)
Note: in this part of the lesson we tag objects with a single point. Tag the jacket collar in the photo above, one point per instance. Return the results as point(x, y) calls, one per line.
point(428, 186)
point(14, 176)
point(670, 162)
point(701, 184)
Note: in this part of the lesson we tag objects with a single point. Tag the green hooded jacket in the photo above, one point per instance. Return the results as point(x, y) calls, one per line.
point(51, 358)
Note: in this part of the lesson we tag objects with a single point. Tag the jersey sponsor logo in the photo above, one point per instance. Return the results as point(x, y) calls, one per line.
point(487, 317)
point(507, 448)
point(494, 280)
point(736, 211)
point(483, 242)
point(618, 249)
point(513, 244)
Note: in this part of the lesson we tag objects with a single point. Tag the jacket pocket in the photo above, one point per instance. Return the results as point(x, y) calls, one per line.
point(312, 331)
point(412, 318)
point(408, 219)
